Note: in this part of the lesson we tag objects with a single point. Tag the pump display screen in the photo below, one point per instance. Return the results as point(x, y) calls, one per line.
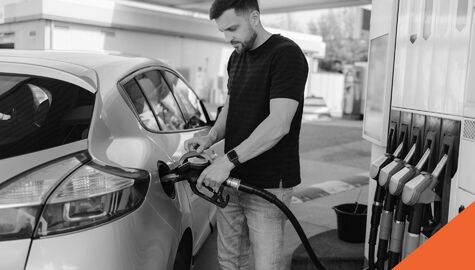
point(374, 107)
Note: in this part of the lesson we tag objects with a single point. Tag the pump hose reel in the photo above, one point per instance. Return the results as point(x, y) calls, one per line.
point(189, 169)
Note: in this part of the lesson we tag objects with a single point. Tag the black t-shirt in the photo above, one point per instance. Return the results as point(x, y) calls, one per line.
point(276, 69)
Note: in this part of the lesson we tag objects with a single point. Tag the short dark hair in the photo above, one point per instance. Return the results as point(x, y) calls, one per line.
point(220, 6)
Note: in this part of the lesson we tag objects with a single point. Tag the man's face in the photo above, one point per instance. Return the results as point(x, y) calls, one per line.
point(237, 29)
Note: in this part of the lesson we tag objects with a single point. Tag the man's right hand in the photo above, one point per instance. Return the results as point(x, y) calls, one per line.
point(199, 144)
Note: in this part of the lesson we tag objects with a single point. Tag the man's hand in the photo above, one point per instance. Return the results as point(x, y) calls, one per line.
point(199, 144)
point(215, 174)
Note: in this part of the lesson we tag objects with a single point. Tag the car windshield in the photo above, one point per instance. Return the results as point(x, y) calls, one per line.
point(38, 113)
point(315, 101)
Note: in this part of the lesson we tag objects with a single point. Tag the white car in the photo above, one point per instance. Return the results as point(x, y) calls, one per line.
point(315, 108)
point(84, 140)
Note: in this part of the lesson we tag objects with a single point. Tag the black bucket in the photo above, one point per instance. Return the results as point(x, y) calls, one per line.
point(351, 224)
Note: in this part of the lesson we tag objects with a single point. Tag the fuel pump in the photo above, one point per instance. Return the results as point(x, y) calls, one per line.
point(445, 97)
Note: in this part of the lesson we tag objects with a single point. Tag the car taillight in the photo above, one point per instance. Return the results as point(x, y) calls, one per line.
point(22, 197)
point(90, 196)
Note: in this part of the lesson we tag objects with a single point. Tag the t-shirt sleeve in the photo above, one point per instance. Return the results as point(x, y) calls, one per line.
point(288, 75)
point(228, 68)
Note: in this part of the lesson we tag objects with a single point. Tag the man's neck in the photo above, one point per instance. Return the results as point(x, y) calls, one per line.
point(262, 36)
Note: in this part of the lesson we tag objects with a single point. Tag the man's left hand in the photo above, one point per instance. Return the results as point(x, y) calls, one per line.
point(215, 174)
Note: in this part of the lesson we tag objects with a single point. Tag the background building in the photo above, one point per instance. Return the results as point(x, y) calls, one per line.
point(186, 40)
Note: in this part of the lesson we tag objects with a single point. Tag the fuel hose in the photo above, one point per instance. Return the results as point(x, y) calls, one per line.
point(236, 184)
point(190, 167)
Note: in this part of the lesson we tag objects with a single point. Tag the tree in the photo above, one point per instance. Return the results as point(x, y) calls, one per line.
point(286, 21)
point(337, 28)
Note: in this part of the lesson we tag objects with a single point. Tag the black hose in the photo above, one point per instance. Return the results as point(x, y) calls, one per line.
point(394, 259)
point(186, 171)
point(273, 199)
point(385, 233)
point(416, 219)
point(397, 236)
point(379, 195)
point(382, 253)
point(371, 255)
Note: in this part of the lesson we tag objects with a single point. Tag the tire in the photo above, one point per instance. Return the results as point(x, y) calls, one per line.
point(183, 257)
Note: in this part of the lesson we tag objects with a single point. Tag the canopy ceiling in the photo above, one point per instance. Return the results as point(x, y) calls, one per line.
point(267, 6)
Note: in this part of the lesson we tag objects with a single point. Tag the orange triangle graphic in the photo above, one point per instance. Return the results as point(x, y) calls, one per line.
point(452, 247)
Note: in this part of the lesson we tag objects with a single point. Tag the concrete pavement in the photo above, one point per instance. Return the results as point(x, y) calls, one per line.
point(334, 165)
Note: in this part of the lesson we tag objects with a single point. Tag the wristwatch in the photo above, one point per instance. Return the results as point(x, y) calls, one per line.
point(233, 157)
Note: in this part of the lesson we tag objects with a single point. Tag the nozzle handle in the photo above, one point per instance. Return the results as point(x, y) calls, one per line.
point(217, 197)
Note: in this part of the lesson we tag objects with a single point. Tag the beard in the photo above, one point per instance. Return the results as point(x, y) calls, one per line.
point(246, 45)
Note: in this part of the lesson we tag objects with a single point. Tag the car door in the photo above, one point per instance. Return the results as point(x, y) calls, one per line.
point(170, 124)
point(195, 116)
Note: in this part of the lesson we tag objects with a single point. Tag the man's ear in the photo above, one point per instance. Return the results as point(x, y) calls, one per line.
point(255, 18)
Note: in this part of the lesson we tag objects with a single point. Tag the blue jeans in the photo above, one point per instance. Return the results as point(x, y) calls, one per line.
point(251, 222)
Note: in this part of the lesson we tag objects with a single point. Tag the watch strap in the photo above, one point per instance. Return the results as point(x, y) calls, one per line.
point(233, 157)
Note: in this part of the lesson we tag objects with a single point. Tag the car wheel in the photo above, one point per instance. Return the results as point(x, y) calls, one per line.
point(183, 257)
point(181, 262)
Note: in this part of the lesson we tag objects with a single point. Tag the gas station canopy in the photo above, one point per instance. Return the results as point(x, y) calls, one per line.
point(267, 6)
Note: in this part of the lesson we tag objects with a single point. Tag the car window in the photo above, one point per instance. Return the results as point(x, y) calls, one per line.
point(8, 82)
point(162, 102)
point(141, 106)
point(38, 113)
point(187, 100)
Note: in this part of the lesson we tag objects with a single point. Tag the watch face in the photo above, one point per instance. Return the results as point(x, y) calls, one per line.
point(232, 154)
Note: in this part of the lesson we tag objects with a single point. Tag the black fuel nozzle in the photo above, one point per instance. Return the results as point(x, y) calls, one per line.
point(418, 192)
point(190, 166)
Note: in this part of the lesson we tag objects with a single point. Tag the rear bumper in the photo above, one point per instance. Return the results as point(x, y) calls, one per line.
point(141, 240)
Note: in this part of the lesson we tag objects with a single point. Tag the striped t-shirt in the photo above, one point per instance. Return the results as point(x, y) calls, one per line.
point(276, 69)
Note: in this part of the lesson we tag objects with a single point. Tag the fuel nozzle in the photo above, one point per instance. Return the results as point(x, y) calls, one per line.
point(399, 179)
point(379, 163)
point(394, 166)
point(418, 192)
point(392, 151)
point(385, 159)
point(421, 188)
point(396, 184)
point(189, 169)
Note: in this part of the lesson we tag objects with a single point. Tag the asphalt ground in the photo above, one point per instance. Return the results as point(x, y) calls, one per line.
point(334, 169)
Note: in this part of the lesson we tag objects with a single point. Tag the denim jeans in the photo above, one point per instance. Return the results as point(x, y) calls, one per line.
point(250, 223)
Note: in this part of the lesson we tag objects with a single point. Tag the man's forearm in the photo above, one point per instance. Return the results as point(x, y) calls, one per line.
point(218, 130)
point(263, 138)
point(270, 131)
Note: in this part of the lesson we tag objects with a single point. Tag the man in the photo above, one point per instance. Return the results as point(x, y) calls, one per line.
point(260, 123)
